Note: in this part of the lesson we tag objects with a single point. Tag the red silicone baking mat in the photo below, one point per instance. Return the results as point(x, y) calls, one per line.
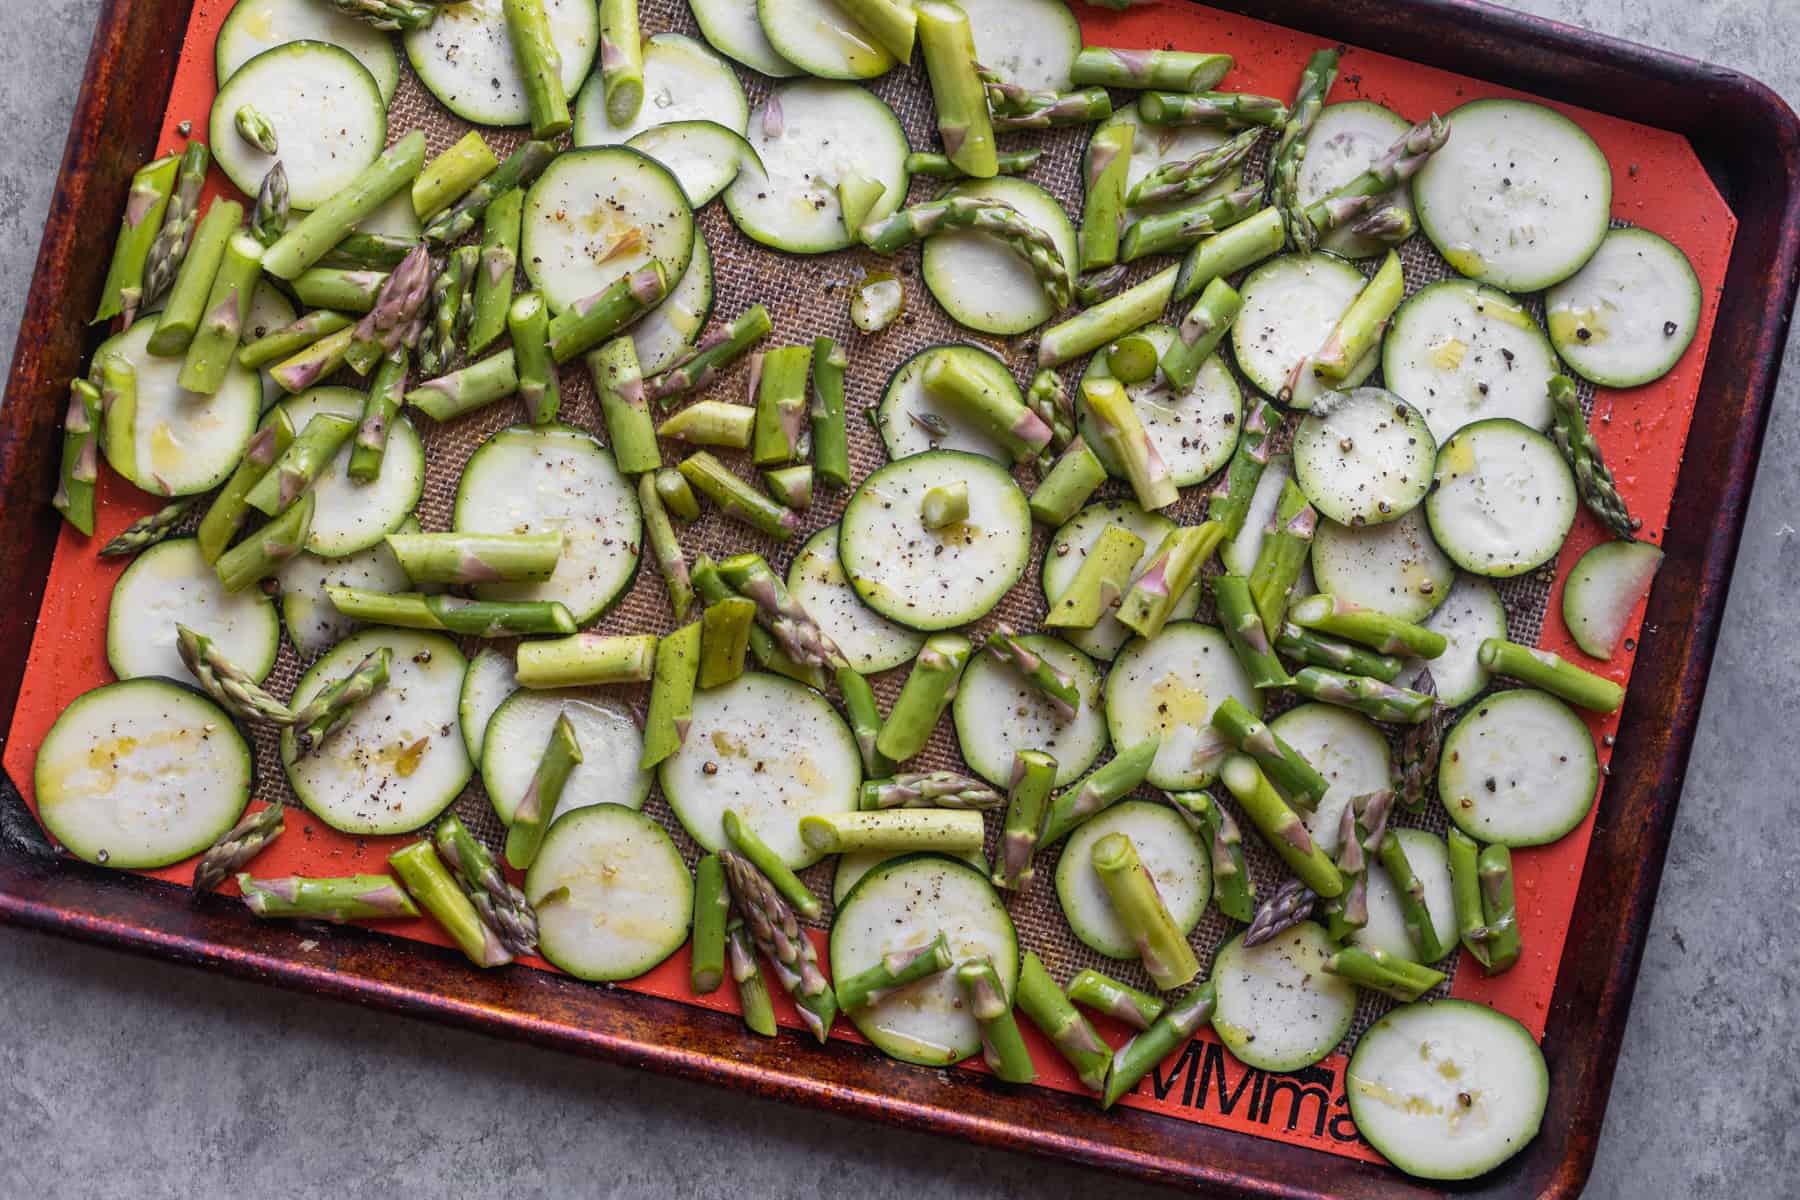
point(1658, 182)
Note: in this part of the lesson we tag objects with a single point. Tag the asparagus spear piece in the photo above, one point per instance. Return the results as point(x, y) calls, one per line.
point(386, 394)
point(262, 553)
point(922, 700)
point(830, 437)
point(1551, 672)
point(900, 830)
point(502, 906)
point(1207, 108)
point(724, 637)
point(1500, 913)
point(528, 28)
point(1280, 825)
point(347, 898)
point(301, 463)
point(1023, 109)
point(928, 789)
point(340, 288)
point(1124, 1003)
point(370, 252)
point(293, 338)
point(712, 588)
point(436, 890)
point(738, 499)
point(1161, 945)
point(963, 122)
point(330, 710)
point(780, 432)
point(777, 933)
point(118, 400)
point(520, 168)
point(895, 970)
point(1131, 309)
point(1465, 890)
point(462, 392)
point(1410, 891)
point(620, 386)
point(255, 129)
point(670, 560)
point(745, 841)
point(169, 250)
point(1284, 551)
point(1377, 630)
point(389, 16)
point(237, 692)
point(1132, 359)
point(1379, 971)
point(891, 23)
point(193, 283)
point(269, 217)
point(712, 905)
point(146, 531)
point(1100, 789)
point(1071, 1033)
point(1057, 685)
point(1178, 228)
point(1371, 697)
point(1593, 478)
point(1068, 485)
point(1002, 1046)
point(1152, 596)
point(1195, 340)
point(677, 496)
point(587, 659)
point(938, 166)
point(1104, 284)
point(1135, 1059)
point(671, 694)
point(74, 497)
point(1419, 747)
point(476, 557)
point(145, 206)
point(753, 992)
point(1360, 326)
point(237, 846)
point(778, 612)
point(864, 715)
point(905, 226)
point(1244, 629)
point(537, 807)
point(307, 242)
point(1173, 70)
point(1023, 433)
point(1190, 177)
point(1389, 226)
point(1361, 828)
point(1316, 650)
point(452, 614)
point(437, 338)
point(1287, 906)
point(1284, 163)
point(1100, 582)
point(396, 317)
point(227, 311)
point(528, 320)
point(590, 321)
point(716, 351)
point(621, 60)
point(1048, 397)
point(1233, 889)
point(1027, 805)
point(1119, 429)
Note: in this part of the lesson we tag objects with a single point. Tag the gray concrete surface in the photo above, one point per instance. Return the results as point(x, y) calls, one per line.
point(124, 1078)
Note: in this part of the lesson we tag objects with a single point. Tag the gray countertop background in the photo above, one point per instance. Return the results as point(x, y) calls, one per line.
point(122, 1077)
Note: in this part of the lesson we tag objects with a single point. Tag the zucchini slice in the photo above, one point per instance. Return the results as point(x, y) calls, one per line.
point(1628, 316)
point(1395, 568)
point(817, 582)
point(850, 868)
point(1460, 352)
point(1447, 1089)
point(1348, 750)
point(1032, 43)
point(182, 443)
point(901, 905)
point(665, 332)
point(1278, 1008)
point(525, 480)
point(899, 566)
point(1068, 549)
point(1195, 430)
point(1504, 498)
point(1291, 305)
point(1519, 769)
point(683, 81)
point(820, 38)
point(1153, 146)
point(1170, 686)
point(141, 774)
point(734, 30)
point(595, 216)
point(981, 281)
point(399, 761)
point(253, 26)
point(172, 582)
point(349, 516)
point(704, 156)
point(490, 679)
point(313, 624)
point(465, 57)
point(1363, 457)
point(269, 311)
point(597, 867)
point(770, 748)
point(1345, 141)
point(811, 136)
point(611, 746)
point(1470, 614)
point(1519, 197)
point(328, 112)
point(909, 417)
point(998, 712)
point(1429, 859)
point(1179, 865)
point(1602, 592)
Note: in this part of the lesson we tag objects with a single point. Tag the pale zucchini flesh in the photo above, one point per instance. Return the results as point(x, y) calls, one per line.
point(734, 30)
point(1364, 456)
point(1602, 591)
point(254, 26)
point(909, 414)
point(611, 744)
point(982, 282)
point(1626, 318)
point(489, 680)
point(349, 516)
point(1032, 43)
point(1504, 498)
point(1239, 554)
point(1519, 769)
point(329, 116)
point(683, 81)
point(612, 896)
point(666, 332)
point(595, 216)
point(1291, 305)
point(1345, 141)
point(1429, 859)
point(1470, 614)
point(819, 37)
point(1393, 568)
point(999, 712)
point(1068, 549)
point(169, 583)
point(313, 624)
point(1178, 863)
point(817, 582)
point(465, 57)
point(704, 156)
point(1348, 750)
point(182, 442)
point(850, 868)
point(1194, 430)
point(1278, 1008)
point(1169, 686)
point(1460, 352)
